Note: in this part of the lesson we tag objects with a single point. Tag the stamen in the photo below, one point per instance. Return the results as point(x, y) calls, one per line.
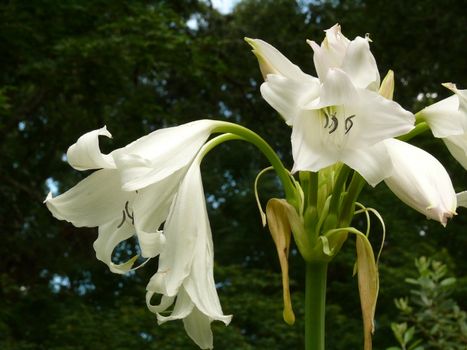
point(131, 216)
point(335, 123)
point(123, 219)
point(327, 119)
point(348, 123)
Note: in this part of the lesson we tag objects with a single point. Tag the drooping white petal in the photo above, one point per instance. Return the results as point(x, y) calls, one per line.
point(360, 64)
point(198, 327)
point(373, 163)
point(420, 181)
point(200, 283)
point(85, 154)
point(183, 307)
point(272, 61)
point(110, 235)
point(151, 207)
point(161, 153)
point(288, 96)
point(94, 201)
point(182, 229)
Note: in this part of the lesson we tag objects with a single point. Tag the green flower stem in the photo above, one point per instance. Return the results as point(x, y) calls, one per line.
point(356, 185)
point(252, 137)
point(315, 303)
point(420, 128)
point(313, 190)
point(216, 142)
point(338, 189)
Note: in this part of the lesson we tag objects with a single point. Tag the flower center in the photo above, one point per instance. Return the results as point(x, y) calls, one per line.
point(337, 124)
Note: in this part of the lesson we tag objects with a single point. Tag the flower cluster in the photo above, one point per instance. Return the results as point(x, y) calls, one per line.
point(153, 181)
point(345, 127)
point(346, 115)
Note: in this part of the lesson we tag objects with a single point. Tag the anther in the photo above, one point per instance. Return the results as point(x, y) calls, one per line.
point(335, 123)
point(123, 219)
point(128, 213)
point(348, 123)
point(327, 120)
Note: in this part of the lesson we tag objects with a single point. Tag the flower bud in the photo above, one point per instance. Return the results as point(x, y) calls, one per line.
point(420, 181)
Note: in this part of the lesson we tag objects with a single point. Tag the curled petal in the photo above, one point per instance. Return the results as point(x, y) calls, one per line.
point(110, 235)
point(183, 307)
point(85, 154)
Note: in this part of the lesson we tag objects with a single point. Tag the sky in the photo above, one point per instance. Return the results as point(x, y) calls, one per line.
point(224, 6)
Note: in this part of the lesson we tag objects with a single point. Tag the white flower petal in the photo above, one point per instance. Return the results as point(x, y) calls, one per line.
point(373, 163)
point(200, 283)
point(182, 229)
point(337, 90)
point(462, 199)
point(309, 147)
point(110, 235)
point(151, 207)
point(161, 153)
point(420, 181)
point(377, 119)
point(445, 118)
point(94, 201)
point(198, 327)
point(457, 145)
point(332, 51)
point(360, 64)
point(85, 154)
point(183, 307)
point(164, 304)
point(287, 96)
point(272, 61)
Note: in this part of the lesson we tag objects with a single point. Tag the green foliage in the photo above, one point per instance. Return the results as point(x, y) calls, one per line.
point(436, 320)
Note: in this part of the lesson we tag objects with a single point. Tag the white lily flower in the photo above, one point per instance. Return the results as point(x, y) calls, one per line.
point(447, 119)
point(353, 57)
point(185, 272)
point(421, 181)
point(133, 190)
point(337, 118)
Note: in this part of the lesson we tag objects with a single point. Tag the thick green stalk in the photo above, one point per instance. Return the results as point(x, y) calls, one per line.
point(315, 303)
